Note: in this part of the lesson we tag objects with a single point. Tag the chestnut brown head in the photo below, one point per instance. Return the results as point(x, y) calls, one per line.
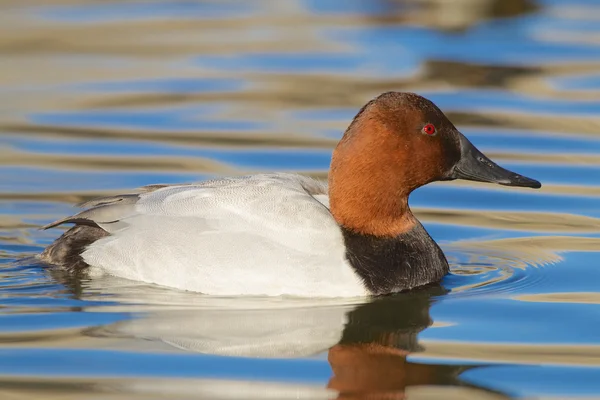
point(395, 144)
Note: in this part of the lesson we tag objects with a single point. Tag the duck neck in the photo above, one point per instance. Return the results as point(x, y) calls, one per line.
point(385, 244)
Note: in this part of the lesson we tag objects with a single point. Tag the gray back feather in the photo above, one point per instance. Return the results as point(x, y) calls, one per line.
point(101, 212)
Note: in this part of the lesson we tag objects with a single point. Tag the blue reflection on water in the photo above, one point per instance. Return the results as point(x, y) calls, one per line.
point(490, 312)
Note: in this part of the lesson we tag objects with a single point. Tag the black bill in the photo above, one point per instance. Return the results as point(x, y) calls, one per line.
point(475, 166)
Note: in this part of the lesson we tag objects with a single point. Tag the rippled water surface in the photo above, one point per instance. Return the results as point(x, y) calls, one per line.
point(101, 97)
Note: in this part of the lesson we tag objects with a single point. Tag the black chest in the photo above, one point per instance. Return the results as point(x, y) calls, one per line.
point(394, 264)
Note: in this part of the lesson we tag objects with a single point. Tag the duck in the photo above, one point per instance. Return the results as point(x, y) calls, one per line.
point(285, 234)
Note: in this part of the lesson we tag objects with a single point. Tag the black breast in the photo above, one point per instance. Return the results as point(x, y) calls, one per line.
point(393, 264)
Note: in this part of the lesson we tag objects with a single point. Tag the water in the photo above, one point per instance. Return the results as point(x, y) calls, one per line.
point(103, 97)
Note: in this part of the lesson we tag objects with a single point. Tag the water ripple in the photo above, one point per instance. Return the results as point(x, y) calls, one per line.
point(100, 98)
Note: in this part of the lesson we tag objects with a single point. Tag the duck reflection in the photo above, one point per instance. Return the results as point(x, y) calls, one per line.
point(371, 354)
point(370, 360)
point(366, 344)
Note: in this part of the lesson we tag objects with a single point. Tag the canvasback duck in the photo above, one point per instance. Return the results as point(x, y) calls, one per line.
point(285, 234)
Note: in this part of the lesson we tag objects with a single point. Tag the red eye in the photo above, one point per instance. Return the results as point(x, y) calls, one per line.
point(429, 129)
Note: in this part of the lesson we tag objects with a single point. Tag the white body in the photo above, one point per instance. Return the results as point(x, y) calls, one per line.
point(270, 234)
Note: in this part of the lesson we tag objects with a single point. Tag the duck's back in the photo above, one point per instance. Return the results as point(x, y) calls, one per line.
point(262, 234)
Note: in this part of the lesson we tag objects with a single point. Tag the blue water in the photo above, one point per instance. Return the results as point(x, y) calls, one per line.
point(99, 98)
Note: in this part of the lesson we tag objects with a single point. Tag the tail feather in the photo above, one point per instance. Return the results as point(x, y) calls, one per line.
point(66, 250)
point(101, 217)
point(70, 220)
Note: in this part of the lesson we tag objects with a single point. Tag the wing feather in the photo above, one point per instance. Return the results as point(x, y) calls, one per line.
point(255, 235)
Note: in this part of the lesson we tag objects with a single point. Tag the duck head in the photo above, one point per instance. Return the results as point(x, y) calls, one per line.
point(395, 144)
